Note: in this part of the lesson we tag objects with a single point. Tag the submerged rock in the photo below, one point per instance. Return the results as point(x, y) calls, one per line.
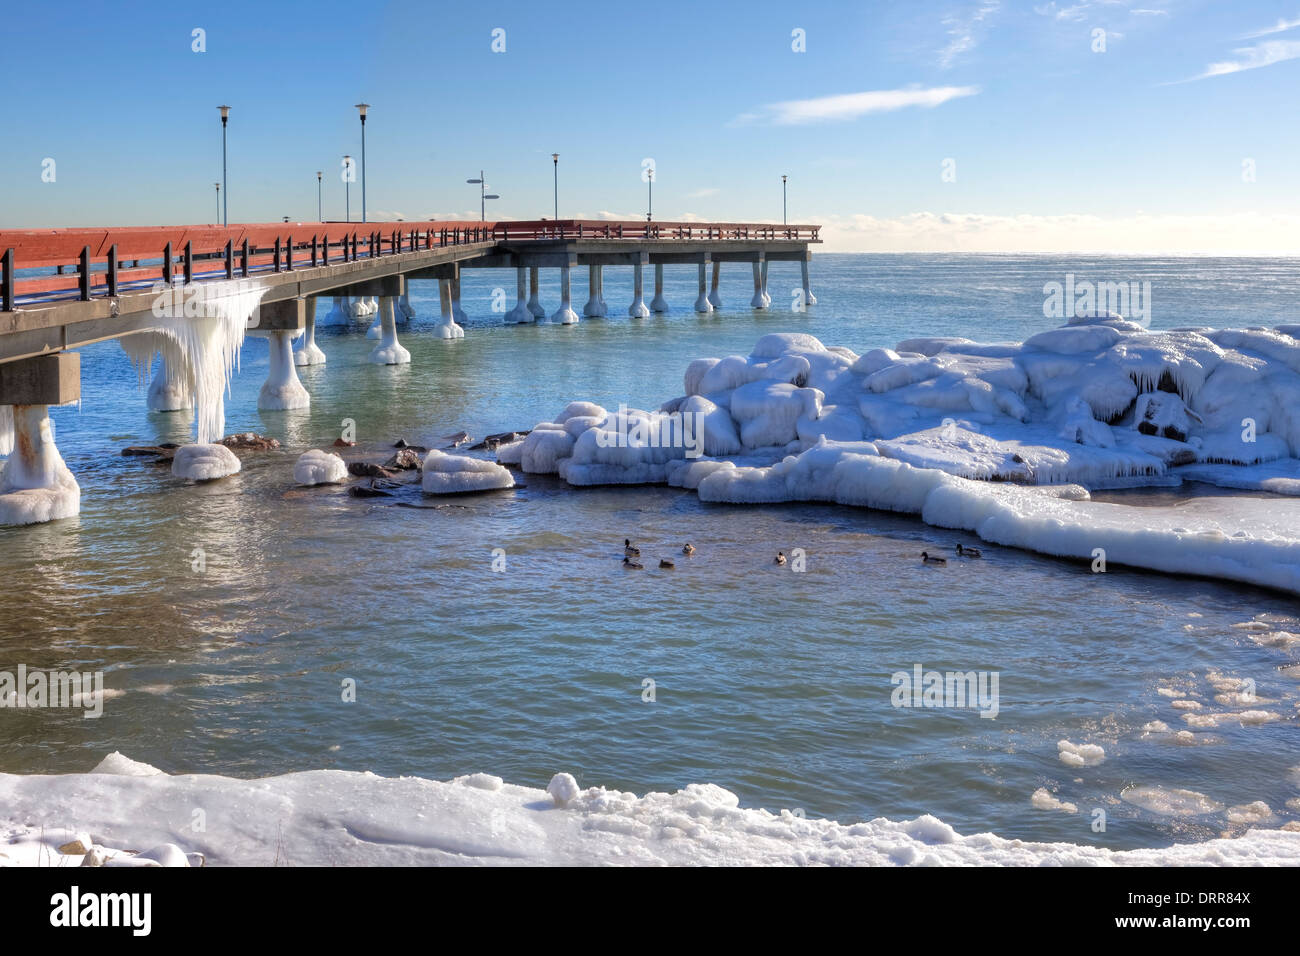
point(343, 443)
point(377, 488)
point(365, 469)
point(405, 460)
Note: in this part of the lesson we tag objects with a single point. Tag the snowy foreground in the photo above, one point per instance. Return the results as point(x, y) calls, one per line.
point(128, 813)
point(1006, 441)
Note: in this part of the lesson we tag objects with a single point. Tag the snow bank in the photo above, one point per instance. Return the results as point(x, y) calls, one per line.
point(446, 474)
point(1005, 441)
point(334, 817)
point(318, 467)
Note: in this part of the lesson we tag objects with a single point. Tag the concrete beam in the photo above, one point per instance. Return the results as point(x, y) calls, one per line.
point(287, 314)
point(44, 380)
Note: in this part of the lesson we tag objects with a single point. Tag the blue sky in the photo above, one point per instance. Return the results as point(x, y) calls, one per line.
point(1052, 142)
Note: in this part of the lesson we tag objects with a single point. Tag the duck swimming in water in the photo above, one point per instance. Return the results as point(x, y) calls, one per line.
point(630, 551)
point(666, 564)
point(780, 558)
point(928, 558)
point(632, 565)
point(969, 552)
point(688, 549)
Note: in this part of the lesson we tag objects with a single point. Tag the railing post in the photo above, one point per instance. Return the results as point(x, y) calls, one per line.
point(112, 269)
point(83, 271)
point(230, 258)
point(288, 255)
point(189, 261)
point(7, 290)
point(277, 254)
point(314, 250)
point(244, 264)
point(325, 251)
point(167, 263)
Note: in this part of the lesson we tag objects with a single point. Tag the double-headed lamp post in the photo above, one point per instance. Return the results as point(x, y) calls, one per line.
point(347, 187)
point(225, 209)
point(363, 107)
point(483, 196)
point(555, 158)
point(783, 217)
point(320, 209)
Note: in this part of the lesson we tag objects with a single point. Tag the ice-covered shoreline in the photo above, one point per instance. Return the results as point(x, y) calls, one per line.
point(336, 817)
point(1003, 441)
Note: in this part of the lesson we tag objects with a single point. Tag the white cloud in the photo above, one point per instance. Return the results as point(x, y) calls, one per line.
point(1280, 27)
point(847, 106)
point(703, 193)
point(1149, 13)
point(1253, 57)
point(1139, 233)
point(966, 31)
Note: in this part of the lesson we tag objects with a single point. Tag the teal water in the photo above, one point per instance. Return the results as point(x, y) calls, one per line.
point(773, 684)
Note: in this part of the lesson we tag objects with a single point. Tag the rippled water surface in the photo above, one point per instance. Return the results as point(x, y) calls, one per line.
point(771, 683)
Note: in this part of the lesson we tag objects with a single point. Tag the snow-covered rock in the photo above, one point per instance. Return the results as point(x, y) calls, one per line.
point(446, 474)
point(318, 467)
point(204, 462)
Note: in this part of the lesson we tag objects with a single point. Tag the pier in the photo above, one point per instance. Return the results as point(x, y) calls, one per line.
point(61, 289)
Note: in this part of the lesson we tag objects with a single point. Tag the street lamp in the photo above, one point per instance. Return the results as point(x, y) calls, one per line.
point(783, 217)
point(218, 185)
point(363, 107)
point(225, 209)
point(555, 158)
point(482, 196)
point(347, 186)
point(320, 210)
point(650, 194)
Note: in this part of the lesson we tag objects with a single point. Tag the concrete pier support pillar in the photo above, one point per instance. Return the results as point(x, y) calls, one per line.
point(35, 484)
point(446, 327)
point(405, 311)
point(659, 303)
point(808, 297)
point(638, 309)
point(388, 351)
point(170, 390)
point(534, 305)
point(702, 303)
point(565, 315)
point(715, 299)
point(767, 299)
point(758, 301)
point(521, 312)
point(457, 312)
point(595, 306)
point(309, 353)
point(338, 313)
point(282, 390)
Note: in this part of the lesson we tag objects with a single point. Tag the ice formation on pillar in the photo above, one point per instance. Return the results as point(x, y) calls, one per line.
point(595, 307)
point(565, 315)
point(6, 430)
point(317, 467)
point(404, 306)
point(168, 391)
point(659, 303)
point(35, 484)
point(457, 313)
point(638, 309)
point(702, 303)
point(282, 390)
point(808, 297)
point(534, 305)
point(521, 313)
point(445, 474)
point(759, 299)
point(309, 353)
point(446, 327)
point(389, 351)
point(1001, 440)
point(715, 297)
point(374, 331)
point(340, 312)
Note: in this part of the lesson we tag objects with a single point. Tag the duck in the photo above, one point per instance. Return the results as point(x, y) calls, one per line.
point(969, 552)
point(928, 558)
point(666, 564)
point(780, 558)
point(630, 551)
point(632, 565)
point(688, 549)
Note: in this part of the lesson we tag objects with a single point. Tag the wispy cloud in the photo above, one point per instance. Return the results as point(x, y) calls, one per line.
point(848, 106)
point(1253, 57)
point(703, 193)
point(1280, 27)
point(965, 31)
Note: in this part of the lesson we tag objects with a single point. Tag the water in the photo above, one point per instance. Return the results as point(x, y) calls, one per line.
point(773, 684)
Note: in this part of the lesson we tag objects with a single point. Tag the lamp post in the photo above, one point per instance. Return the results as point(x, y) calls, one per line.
point(783, 217)
point(482, 196)
point(218, 185)
point(225, 209)
point(320, 209)
point(555, 158)
point(363, 107)
point(347, 186)
point(650, 194)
